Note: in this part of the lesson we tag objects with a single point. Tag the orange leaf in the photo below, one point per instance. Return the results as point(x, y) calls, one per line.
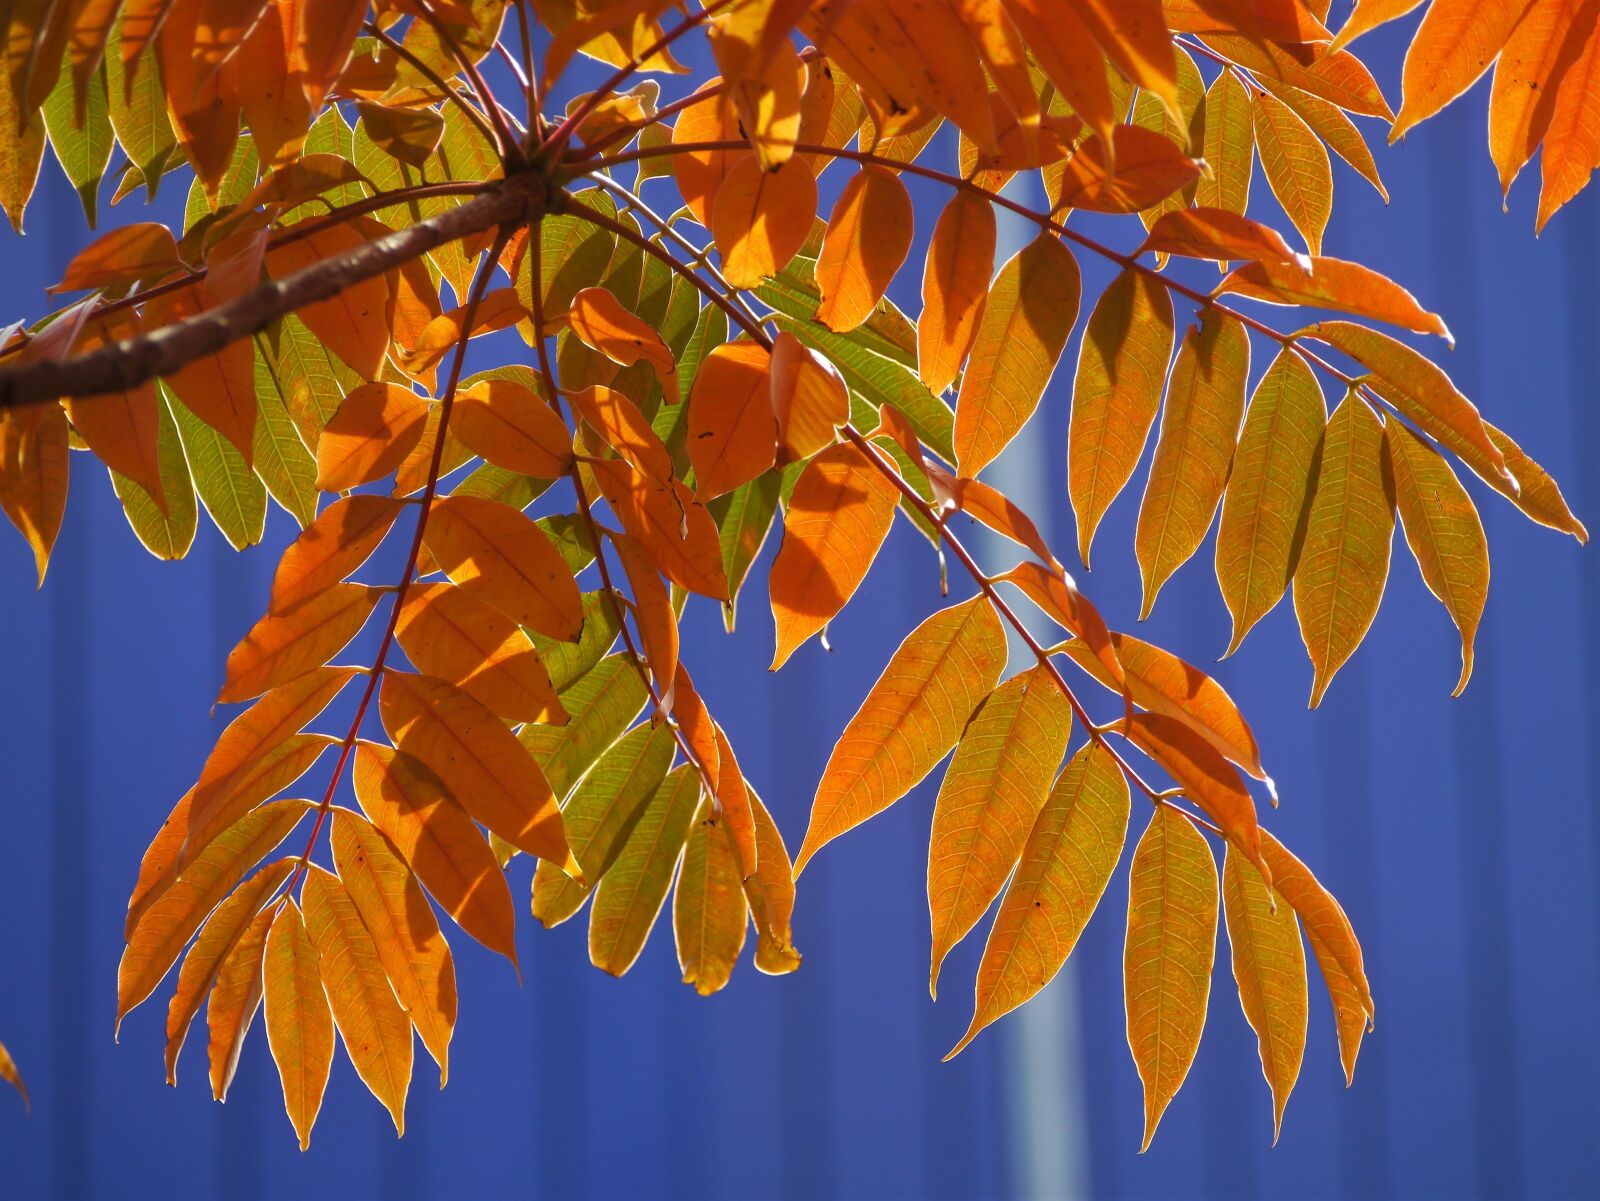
point(1146, 168)
point(1345, 560)
point(497, 554)
point(617, 419)
point(219, 388)
point(1166, 962)
point(1199, 424)
point(1164, 683)
point(353, 324)
point(1122, 366)
point(234, 999)
point(144, 250)
point(1216, 233)
point(322, 42)
point(244, 762)
point(677, 531)
point(287, 643)
point(413, 952)
point(1057, 596)
point(733, 434)
point(340, 540)
point(372, 1025)
point(498, 309)
point(227, 926)
point(699, 173)
point(601, 323)
point(697, 728)
point(33, 475)
point(374, 429)
point(809, 399)
point(992, 507)
point(1065, 865)
point(1444, 533)
point(121, 428)
point(760, 219)
point(738, 809)
point(1334, 284)
point(909, 721)
point(509, 426)
point(652, 613)
point(837, 519)
point(299, 1023)
point(1269, 967)
point(770, 892)
point(1333, 942)
point(1269, 492)
point(1527, 81)
point(479, 760)
point(1133, 34)
point(1065, 51)
point(1455, 44)
point(955, 283)
point(448, 634)
point(432, 832)
point(993, 790)
point(159, 936)
point(1207, 779)
point(869, 234)
point(1029, 313)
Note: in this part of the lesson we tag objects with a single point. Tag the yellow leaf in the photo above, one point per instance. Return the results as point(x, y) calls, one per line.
point(838, 517)
point(709, 912)
point(1166, 963)
point(955, 284)
point(497, 554)
point(1344, 564)
point(631, 893)
point(868, 236)
point(331, 547)
point(991, 794)
point(1269, 967)
point(448, 634)
point(909, 721)
point(1538, 495)
point(733, 432)
point(427, 825)
point(287, 643)
point(299, 1023)
point(1228, 146)
point(373, 431)
point(1029, 313)
point(1444, 533)
point(760, 219)
point(1296, 166)
point(1122, 366)
point(1194, 451)
point(480, 762)
point(1066, 863)
point(1269, 493)
point(372, 1025)
point(770, 893)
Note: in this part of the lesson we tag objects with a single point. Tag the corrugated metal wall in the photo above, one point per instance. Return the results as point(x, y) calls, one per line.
point(1461, 836)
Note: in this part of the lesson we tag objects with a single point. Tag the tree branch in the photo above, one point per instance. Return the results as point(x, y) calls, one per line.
point(122, 365)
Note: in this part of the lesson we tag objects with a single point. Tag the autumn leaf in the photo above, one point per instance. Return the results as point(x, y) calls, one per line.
point(909, 721)
point(299, 1021)
point(1172, 935)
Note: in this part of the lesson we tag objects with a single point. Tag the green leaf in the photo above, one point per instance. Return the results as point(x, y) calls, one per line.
point(139, 114)
point(567, 661)
point(600, 704)
point(744, 517)
point(83, 150)
point(282, 461)
point(235, 498)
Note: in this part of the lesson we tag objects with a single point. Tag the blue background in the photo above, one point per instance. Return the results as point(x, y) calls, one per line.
point(1460, 835)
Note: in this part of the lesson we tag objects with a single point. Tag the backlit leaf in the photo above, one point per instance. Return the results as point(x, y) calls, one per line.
point(1171, 944)
point(992, 792)
point(1071, 850)
point(1296, 167)
point(299, 1022)
point(869, 233)
point(1122, 366)
point(709, 912)
point(909, 721)
point(733, 432)
point(955, 285)
point(287, 643)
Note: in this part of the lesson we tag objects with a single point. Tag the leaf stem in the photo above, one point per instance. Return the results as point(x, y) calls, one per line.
point(510, 146)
